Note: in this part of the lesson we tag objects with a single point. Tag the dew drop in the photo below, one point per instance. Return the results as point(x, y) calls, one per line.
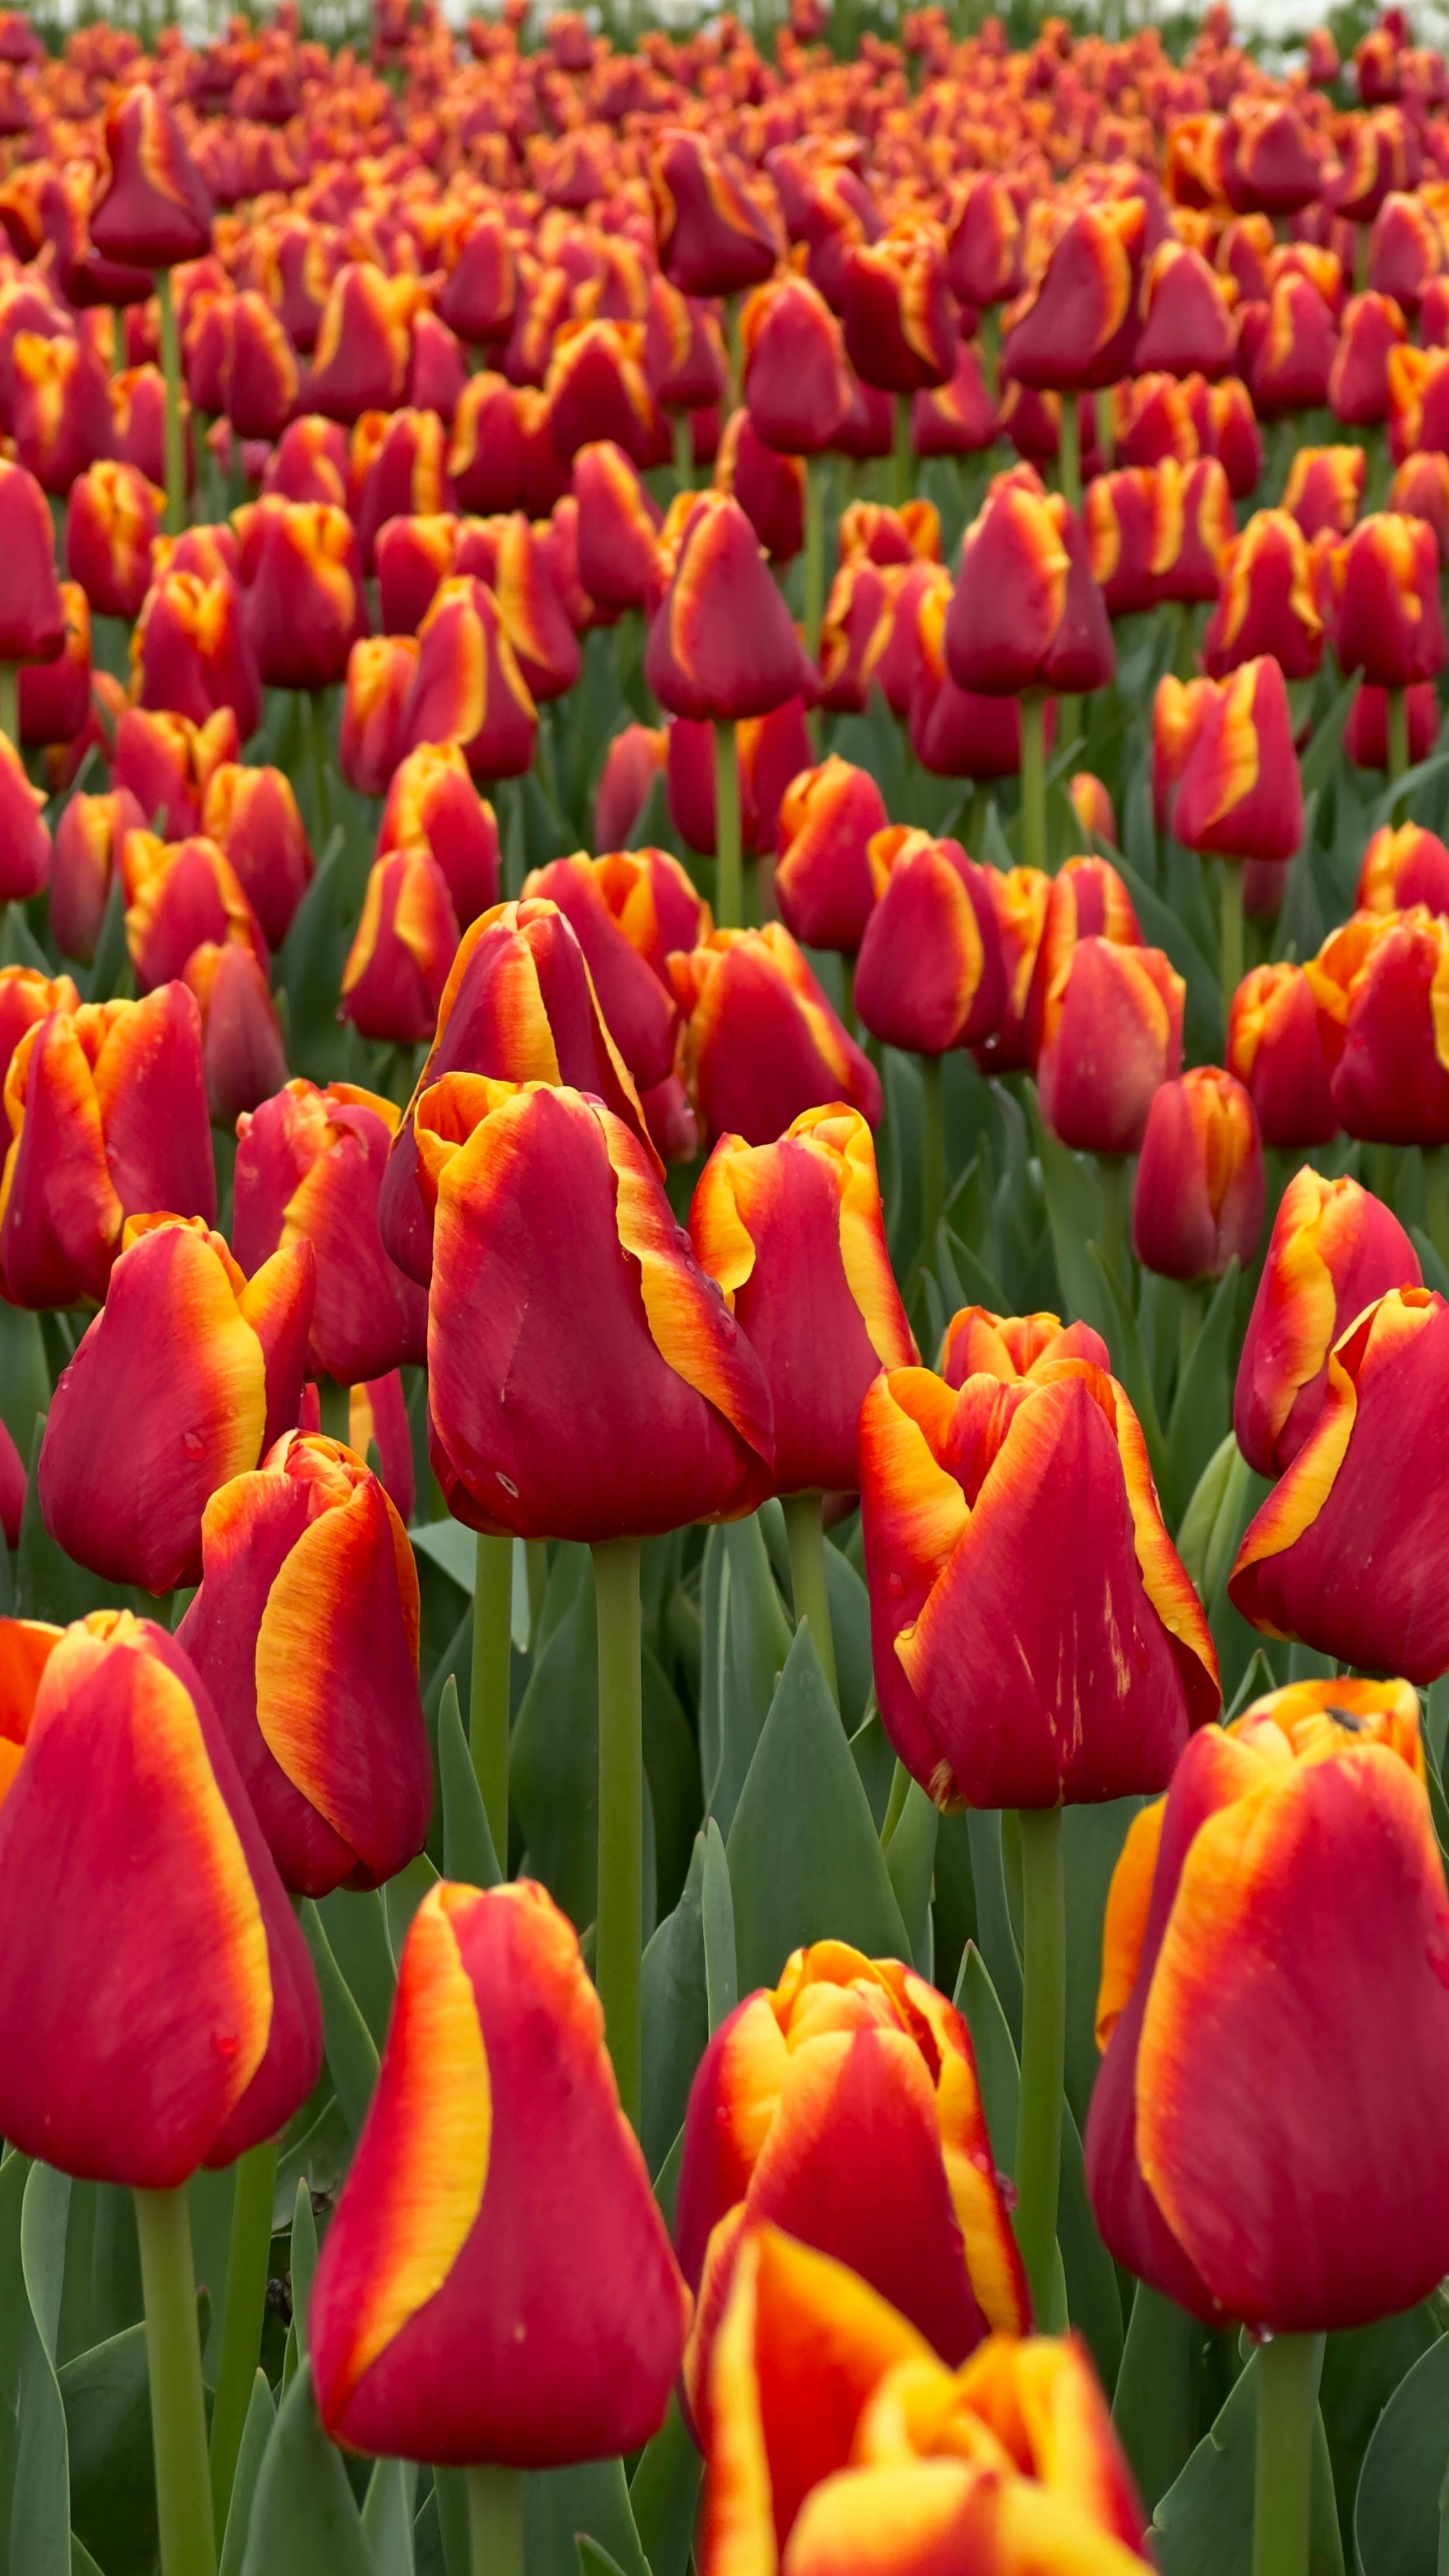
point(728, 1328)
point(193, 1444)
point(895, 1585)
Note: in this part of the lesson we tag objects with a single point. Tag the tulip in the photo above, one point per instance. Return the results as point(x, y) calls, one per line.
point(32, 619)
point(859, 600)
point(1239, 794)
point(360, 361)
point(242, 1049)
point(1325, 489)
point(185, 1377)
point(107, 1119)
point(252, 816)
point(178, 894)
point(395, 970)
point(824, 883)
point(259, 377)
point(1111, 1035)
point(192, 652)
point(1086, 900)
point(27, 995)
point(167, 762)
point(849, 2087)
point(1420, 490)
point(1198, 1199)
point(565, 2307)
point(713, 237)
point(507, 555)
point(398, 470)
point(1283, 1046)
point(1092, 807)
point(480, 288)
point(413, 556)
point(1187, 324)
point(302, 590)
point(380, 672)
point(796, 382)
point(760, 1042)
point(61, 413)
point(1404, 865)
point(770, 489)
point(1368, 733)
point(1333, 1251)
point(634, 998)
point(899, 321)
point(485, 460)
point(309, 1169)
point(632, 764)
point(1379, 979)
point(154, 212)
point(309, 461)
point(432, 804)
point(983, 249)
point(1386, 614)
point(1022, 897)
point(113, 517)
point(54, 698)
point(596, 387)
point(467, 685)
point(24, 839)
point(1268, 603)
point(618, 527)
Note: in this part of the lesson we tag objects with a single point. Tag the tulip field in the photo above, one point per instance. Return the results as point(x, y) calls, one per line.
point(724, 1297)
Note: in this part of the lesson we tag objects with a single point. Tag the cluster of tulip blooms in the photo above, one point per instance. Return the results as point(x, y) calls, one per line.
point(958, 534)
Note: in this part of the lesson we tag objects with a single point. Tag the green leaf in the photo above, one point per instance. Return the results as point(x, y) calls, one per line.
point(355, 1922)
point(387, 2516)
point(1158, 2396)
point(747, 1637)
point(673, 1993)
point(1320, 760)
point(304, 2519)
point(1073, 1207)
point(256, 2434)
point(468, 1852)
point(1094, 2302)
point(403, 1895)
point(24, 1377)
point(593, 2559)
point(721, 1972)
point(1092, 1838)
point(1165, 926)
point(994, 1934)
point(1204, 1399)
point(1216, 1500)
point(803, 1856)
point(40, 2501)
point(303, 2265)
point(1396, 2515)
point(106, 2393)
point(664, 2495)
point(997, 2071)
point(1203, 2526)
point(1361, 2371)
point(554, 1762)
point(910, 1858)
point(352, 2055)
point(850, 1623)
point(593, 2499)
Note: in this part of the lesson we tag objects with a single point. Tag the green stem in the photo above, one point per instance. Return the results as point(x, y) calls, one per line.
point(618, 1936)
point(244, 2317)
point(805, 1533)
point(734, 352)
point(175, 452)
point(317, 745)
point(10, 701)
point(682, 436)
point(1102, 412)
point(1192, 1296)
point(815, 471)
point(903, 455)
point(1288, 2375)
point(178, 2408)
point(1043, 2047)
point(1436, 1200)
point(1114, 1180)
point(1383, 1165)
point(1231, 926)
point(1069, 454)
point(988, 348)
point(118, 339)
point(933, 1154)
point(1033, 779)
point(1398, 713)
point(847, 995)
point(491, 1685)
point(729, 879)
point(495, 2521)
point(334, 1406)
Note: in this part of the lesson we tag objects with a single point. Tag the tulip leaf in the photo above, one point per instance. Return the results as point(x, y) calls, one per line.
point(1158, 2397)
point(403, 1895)
point(256, 2434)
point(1321, 759)
point(468, 1853)
point(746, 1642)
point(106, 2393)
point(1361, 2371)
point(304, 2518)
point(387, 2516)
point(721, 1972)
point(355, 1923)
point(554, 1766)
point(24, 1377)
point(995, 1936)
point(303, 2265)
point(910, 1858)
point(110, 962)
point(1397, 2511)
point(804, 1861)
point(594, 2560)
point(1202, 1406)
point(352, 2054)
point(1216, 1500)
point(673, 1990)
point(850, 1623)
point(664, 2494)
point(592, 2501)
point(1074, 1217)
point(876, 1763)
point(40, 2498)
point(1092, 1841)
point(1203, 2526)
point(998, 2073)
point(1166, 926)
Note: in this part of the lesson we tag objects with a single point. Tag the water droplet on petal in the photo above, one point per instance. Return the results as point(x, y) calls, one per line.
point(193, 1444)
point(728, 1328)
point(895, 1585)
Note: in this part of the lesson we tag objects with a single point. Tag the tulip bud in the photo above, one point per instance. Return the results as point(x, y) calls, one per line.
point(930, 975)
point(480, 288)
point(898, 311)
point(713, 237)
point(1021, 897)
point(185, 1377)
point(596, 387)
point(797, 382)
point(857, 602)
point(1380, 981)
point(485, 454)
point(413, 556)
point(722, 644)
point(507, 556)
point(24, 840)
point(686, 1433)
point(1333, 1251)
point(360, 361)
point(825, 885)
point(1314, 1788)
point(881, 535)
point(402, 948)
point(494, 2094)
point(380, 673)
point(684, 353)
point(433, 804)
point(632, 763)
point(983, 250)
point(848, 2047)
point(167, 762)
point(1026, 613)
point(54, 697)
point(1325, 489)
point(1286, 350)
point(1187, 325)
point(1268, 604)
point(61, 413)
point(241, 1038)
point(26, 995)
point(1240, 794)
point(302, 591)
point(958, 418)
point(636, 1002)
point(154, 209)
point(309, 462)
point(760, 1042)
point(1197, 1203)
point(397, 471)
point(1092, 807)
point(971, 1674)
point(112, 519)
point(259, 377)
point(1386, 612)
point(331, 1745)
point(1111, 1035)
point(252, 815)
point(309, 1169)
point(770, 489)
point(179, 893)
point(618, 527)
point(192, 652)
point(1086, 900)
point(1283, 1047)
point(127, 1789)
point(467, 685)
point(1077, 323)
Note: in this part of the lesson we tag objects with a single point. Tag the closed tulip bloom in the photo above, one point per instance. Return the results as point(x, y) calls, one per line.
point(55, 697)
point(378, 685)
point(959, 417)
point(433, 803)
point(1325, 488)
point(397, 469)
point(414, 555)
point(302, 591)
point(859, 599)
point(848, 2090)
point(154, 209)
point(1187, 325)
point(1179, 709)
point(769, 488)
point(404, 943)
point(113, 517)
point(585, 1378)
point(486, 451)
point(1268, 603)
point(61, 413)
point(955, 733)
point(1418, 399)
point(106, 1110)
point(596, 387)
point(1237, 440)
point(507, 555)
point(1026, 613)
point(618, 527)
point(898, 312)
point(252, 815)
point(977, 1343)
point(684, 351)
point(32, 620)
point(1381, 981)
point(797, 382)
point(722, 644)
point(1286, 350)
point(467, 685)
point(27, 995)
point(1197, 1202)
point(1120, 515)
point(1283, 1047)
point(1404, 865)
point(1034, 1635)
point(309, 461)
point(1333, 1250)
point(242, 1048)
point(179, 893)
point(1111, 1035)
point(1092, 806)
point(260, 378)
point(360, 361)
point(24, 839)
point(330, 1741)
point(461, 2234)
point(192, 652)
point(983, 250)
point(185, 1377)
point(184, 2026)
point(636, 1002)
point(309, 1169)
point(481, 285)
point(1240, 794)
point(167, 761)
point(760, 1041)
point(835, 2439)
point(1361, 1491)
point(1085, 900)
point(1021, 897)
point(763, 1220)
point(1076, 325)
point(1215, 2144)
point(713, 237)
point(825, 885)
point(1386, 619)
point(1420, 490)
point(882, 535)
point(634, 760)
point(930, 974)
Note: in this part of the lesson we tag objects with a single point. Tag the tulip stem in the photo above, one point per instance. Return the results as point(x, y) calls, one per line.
point(1288, 2374)
point(490, 1694)
point(1033, 779)
point(933, 1155)
point(805, 1533)
point(619, 1923)
point(1043, 2051)
point(495, 2521)
point(10, 701)
point(1398, 718)
point(1436, 1200)
point(244, 2317)
point(1069, 454)
point(317, 745)
point(1102, 414)
point(1115, 1184)
point(334, 1410)
point(903, 458)
point(682, 435)
point(171, 371)
point(814, 553)
point(1231, 932)
point(178, 2408)
point(729, 875)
